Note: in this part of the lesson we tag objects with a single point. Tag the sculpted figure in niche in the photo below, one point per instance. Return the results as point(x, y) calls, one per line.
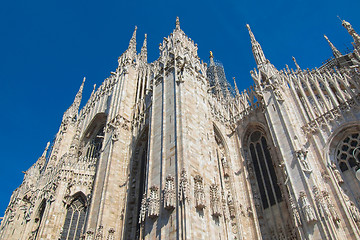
point(184, 186)
point(199, 192)
point(153, 207)
point(307, 209)
point(331, 207)
point(215, 201)
point(169, 193)
point(322, 206)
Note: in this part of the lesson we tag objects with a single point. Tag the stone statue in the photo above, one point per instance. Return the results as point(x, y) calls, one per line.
point(302, 158)
point(306, 208)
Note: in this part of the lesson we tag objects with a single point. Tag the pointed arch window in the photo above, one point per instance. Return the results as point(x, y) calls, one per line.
point(264, 170)
point(94, 148)
point(74, 220)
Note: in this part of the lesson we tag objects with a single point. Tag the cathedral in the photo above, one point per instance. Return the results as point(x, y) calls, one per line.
point(171, 150)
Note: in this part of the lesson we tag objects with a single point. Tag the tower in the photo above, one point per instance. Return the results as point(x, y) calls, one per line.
point(169, 150)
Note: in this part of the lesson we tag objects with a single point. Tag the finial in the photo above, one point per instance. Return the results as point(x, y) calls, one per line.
point(296, 64)
point(212, 63)
point(177, 23)
point(336, 52)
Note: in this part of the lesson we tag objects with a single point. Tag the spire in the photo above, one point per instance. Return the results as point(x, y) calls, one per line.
point(296, 64)
point(351, 31)
point(177, 23)
point(46, 149)
point(236, 88)
point(132, 43)
point(256, 48)
point(42, 160)
point(93, 91)
point(72, 111)
point(336, 52)
point(78, 96)
point(143, 53)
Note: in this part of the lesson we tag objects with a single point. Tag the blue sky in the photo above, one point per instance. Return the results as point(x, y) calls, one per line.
point(47, 47)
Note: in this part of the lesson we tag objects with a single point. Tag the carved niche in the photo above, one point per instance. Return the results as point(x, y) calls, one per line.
point(322, 206)
point(295, 212)
point(169, 193)
point(199, 193)
point(215, 203)
point(306, 208)
point(153, 207)
point(332, 210)
point(184, 186)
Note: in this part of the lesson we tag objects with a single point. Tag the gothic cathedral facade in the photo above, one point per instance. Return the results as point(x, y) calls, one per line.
point(170, 150)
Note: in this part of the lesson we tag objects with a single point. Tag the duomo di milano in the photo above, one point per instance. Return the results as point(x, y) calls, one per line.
point(170, 150)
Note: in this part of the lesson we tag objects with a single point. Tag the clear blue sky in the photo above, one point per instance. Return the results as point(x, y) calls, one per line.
point(47, 47)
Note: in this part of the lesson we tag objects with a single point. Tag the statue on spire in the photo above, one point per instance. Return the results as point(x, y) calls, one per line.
point(296, 64)
point(211, 59)
point(256, 48)
point(351, 31)
point(336, 52)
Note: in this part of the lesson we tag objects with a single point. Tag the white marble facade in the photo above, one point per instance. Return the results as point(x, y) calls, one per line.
point(170, 150)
